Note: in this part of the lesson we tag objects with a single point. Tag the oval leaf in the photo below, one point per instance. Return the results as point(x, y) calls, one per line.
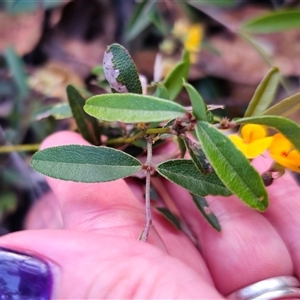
point(173, 82)
point(273, 22)
point(288, 128)
point(120, 70)
point(87, 126)
point(184, 173)
point(199, 107)
point(232, 167)
point(264, 94)
point(285, 107)
point(132, 108)
point(85, 163)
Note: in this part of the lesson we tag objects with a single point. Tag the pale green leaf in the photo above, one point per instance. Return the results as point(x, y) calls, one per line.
point(85, 163)
point(173, 82)
point(285, 107)
point(273, 22)
point(161, 91)
point(264, 94)
point(132, 108)
point(184, 173)
point(58, 111)
point(232, 167)
point(288, 128)
point(199, 106)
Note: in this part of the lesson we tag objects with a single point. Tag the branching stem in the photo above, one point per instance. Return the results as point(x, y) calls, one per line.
point(148, 166)
point(128, 140)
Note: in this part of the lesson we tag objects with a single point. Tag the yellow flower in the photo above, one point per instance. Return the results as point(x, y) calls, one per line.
point(193, 39)
point(283, 152)
point(190, 35)
point(253, 140)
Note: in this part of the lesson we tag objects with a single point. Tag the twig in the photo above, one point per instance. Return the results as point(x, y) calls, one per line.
point(128, 140)
point(148, 167)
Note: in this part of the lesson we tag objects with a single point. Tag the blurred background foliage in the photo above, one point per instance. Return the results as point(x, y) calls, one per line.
point(46, 45)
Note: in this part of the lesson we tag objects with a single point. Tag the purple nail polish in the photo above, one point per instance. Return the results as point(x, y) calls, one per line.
point(24, 277)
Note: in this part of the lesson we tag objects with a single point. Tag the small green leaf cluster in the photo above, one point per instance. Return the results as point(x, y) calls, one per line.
point(214, 166)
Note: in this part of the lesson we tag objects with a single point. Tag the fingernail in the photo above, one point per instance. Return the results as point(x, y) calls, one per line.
point(24, 276)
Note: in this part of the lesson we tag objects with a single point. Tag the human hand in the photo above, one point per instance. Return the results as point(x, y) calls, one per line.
point(97, 254)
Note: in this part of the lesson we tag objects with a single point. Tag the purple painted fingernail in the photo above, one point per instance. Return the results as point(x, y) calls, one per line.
point(24, 276)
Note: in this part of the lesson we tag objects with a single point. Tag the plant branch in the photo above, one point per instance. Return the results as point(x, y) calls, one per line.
point(139, 135)
point(148, 166)
point(19, 148)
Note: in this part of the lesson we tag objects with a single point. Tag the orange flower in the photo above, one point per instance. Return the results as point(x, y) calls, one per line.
point(253, 140)
point(283, 152)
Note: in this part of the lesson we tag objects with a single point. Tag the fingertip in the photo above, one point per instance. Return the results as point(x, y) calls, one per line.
point(63, 138)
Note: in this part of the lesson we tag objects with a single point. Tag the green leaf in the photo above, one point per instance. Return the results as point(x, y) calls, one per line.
point(169, 216)
point(285, 107)
point(232, 167)
point(16, 67)
point(139, 20)
point(209, 216)
point(181, 145)
point(222, 3)
point(197, 155)
point(273, 22)
point(264, 94)
point(87, 125)
point(85, 163)
point(161, 91)
point(132, 108)
point(173, 82)
point(120, 70)
point(210, 117)
point(184, 173)
point(288, 128)
point(58, 111)
point(199, 107)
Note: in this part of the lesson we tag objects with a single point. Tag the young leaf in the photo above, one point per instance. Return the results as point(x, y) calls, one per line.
point(58, 111)
point(285, 107)
point(288, 128)
point(161, 91)
point(197, 155)
point(199, 107)
point(264, 94)
point(87, 125)
point(173, 82)
point(85, 163)
point(209, 216)
point(184, 173)
point(132, 108)
point(273, 22)
point(120, 70)
point(232, 167)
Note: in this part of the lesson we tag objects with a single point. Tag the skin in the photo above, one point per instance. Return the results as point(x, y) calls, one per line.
point(91, 239)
